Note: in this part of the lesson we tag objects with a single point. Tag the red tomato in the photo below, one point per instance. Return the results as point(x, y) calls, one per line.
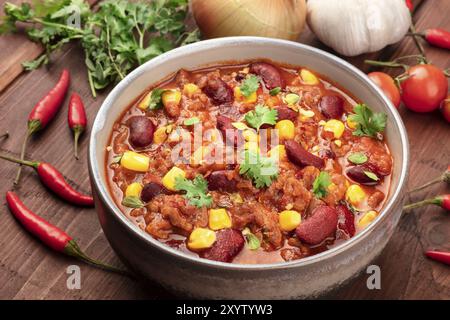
point(425, 88)
point(387, 85)
point(445, 109)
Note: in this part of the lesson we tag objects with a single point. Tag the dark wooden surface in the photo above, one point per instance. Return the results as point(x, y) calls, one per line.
point(30, 271)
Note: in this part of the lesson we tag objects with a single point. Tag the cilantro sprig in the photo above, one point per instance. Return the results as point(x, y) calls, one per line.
point(321, 184)
point(116, 38)
point(368, 123)
point(250, 85)
point(261, 170)
point(261, 115)
point(196, 191)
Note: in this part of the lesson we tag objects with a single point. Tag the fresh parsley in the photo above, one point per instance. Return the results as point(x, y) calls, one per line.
point(261, 170)
point(253, 242)
point(357, 158)
point(321, 184)
point(191, 121)
point(261, 115)
point(368, 123)
point(249, 86)
point(155, 99)
point(132, 202)
point(196, 191)
point(275, 91)
point(116, 38)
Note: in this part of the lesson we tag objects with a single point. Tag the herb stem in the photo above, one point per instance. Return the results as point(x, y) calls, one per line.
point(57, 25)
point(109, 51)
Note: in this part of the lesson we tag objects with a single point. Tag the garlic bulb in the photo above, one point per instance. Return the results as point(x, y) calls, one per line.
point(267, 18)
point(352, 27)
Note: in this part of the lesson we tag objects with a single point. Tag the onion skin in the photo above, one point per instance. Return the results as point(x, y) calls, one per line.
point(284, 19)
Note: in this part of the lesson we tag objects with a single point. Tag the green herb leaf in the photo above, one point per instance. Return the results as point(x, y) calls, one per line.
point(357, 158)
point(275, 91)
point(261, 170)
point(196, 191)
point(156, 99)
point(261, 115)
point(253, 242)
point(371, 175)
point(368, 123)
point(321, 184)
point(132, 202)
point(250, 85)
point(191, 121)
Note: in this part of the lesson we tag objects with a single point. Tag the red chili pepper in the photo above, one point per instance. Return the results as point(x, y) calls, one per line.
point(44, 111)
point(54, 180)
point(445, 177)
point(77, 119)
point(440, 256)
point(442, 201)
point(437, 37)
point(410, 5)
point(51, 235)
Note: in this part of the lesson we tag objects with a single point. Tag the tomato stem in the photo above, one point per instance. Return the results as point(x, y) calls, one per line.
point(388, 64)
point(417, 42)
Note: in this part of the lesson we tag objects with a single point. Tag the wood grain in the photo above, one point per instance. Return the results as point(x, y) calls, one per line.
point(30, 271)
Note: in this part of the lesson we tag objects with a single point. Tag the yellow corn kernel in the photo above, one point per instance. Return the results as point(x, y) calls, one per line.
point(169, 178)
point(199, 155)
point(171, 97)
point(240, 97)
point(189, 89)
point(219, 219)
point(133, 190)
point(250, 135)
point(236, 198)
point(161, 134)
point(239, 125)
point(278, 151)
point(308, 77)
point(134, 161)
point(322, 122)
point(355, 194)
point(201, 238)
point(351, 124)
point(289, 220)
point(367, 219)
point(252, 146)
point(338, 143)
point(286, 129)
point(335, 126)
point(144, 103)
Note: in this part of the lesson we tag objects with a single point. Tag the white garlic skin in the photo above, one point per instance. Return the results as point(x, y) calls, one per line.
point(353, 27)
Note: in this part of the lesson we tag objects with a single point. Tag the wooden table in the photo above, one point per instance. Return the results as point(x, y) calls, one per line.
point(30, 271)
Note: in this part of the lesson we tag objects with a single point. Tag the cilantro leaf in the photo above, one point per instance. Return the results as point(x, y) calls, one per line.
point(249, 86)
point(156, 99)
point(275, 91)
point(261, 170)
point(371, 175)
point(368, 122)
point(357, 158)
point(132, 202)
point(261, 115)
point(191, 121)
point(253, 242)
point(321, 184)
point(196, 191)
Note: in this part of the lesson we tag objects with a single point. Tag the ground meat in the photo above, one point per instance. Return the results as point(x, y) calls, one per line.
point(182, 77)
point(159, 227)
point(377, 153)
point(336, 192)
point(375, 199)
point(309, 174)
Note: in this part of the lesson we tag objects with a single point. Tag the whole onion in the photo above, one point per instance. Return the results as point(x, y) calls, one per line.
point(283, 19)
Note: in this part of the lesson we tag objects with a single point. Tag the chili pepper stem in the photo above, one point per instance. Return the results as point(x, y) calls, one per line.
point(33, 164)
point(421, 203)
point(426, 185)
point(72, 249)
point(77, 132)
point(33, 126)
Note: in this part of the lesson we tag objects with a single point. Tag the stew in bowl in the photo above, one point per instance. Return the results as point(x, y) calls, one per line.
point(249, 162)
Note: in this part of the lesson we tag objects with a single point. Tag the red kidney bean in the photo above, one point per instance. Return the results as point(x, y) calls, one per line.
point(218, 180)
point(332, 107)
point(358, 174)
point(151, 190)
point(229, 243)
point(346, 220)
point(269, 74)
point(299, 156)
point(218, 91)
point(285, 113)
point(327, 154)
point(141, 131)
point(224, 124)
point(319, 226)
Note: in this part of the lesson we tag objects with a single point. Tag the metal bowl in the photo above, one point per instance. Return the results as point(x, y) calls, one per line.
point(196, 277)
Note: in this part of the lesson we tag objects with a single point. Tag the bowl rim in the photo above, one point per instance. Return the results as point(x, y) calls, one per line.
point(102, 191)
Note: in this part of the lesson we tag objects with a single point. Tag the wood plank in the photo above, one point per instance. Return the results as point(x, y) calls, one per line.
point(30, 271)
